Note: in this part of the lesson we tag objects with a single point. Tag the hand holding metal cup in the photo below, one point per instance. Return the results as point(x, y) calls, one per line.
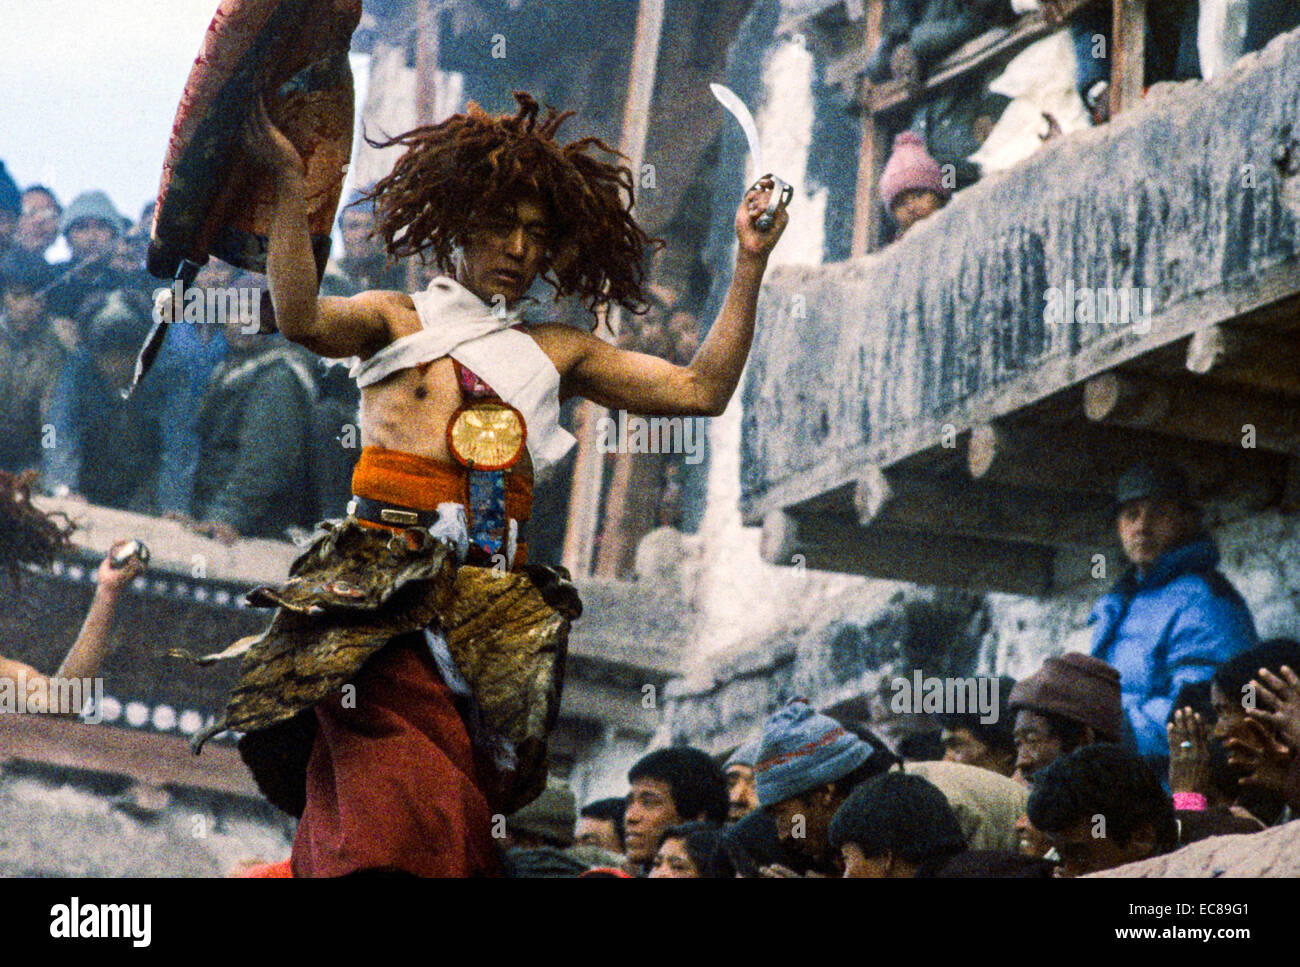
point(782, 192)
point(125, 553)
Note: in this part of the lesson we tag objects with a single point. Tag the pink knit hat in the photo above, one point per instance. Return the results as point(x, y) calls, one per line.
point(910, 166)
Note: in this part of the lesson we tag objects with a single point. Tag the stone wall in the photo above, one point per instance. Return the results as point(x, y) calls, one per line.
point(62, 823)
point(841, 646)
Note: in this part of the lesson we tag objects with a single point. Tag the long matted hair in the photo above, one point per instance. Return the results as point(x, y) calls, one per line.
point(463, 173)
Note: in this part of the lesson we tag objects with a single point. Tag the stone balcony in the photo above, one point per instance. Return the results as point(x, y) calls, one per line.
point(919, 414)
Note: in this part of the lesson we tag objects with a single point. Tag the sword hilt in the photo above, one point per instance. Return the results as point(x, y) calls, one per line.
point(782, 192)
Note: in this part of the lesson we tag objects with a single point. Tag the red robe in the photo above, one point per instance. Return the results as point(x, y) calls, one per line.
point(392, 782)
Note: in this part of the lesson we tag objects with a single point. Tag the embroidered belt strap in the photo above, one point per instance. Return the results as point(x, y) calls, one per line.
point(487, 436)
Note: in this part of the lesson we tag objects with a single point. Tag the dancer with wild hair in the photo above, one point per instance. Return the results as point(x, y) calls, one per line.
point(405, 688)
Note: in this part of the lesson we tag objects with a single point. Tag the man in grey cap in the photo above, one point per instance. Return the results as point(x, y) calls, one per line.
point(92, 227)
point(1171, 618)
point(742, 796)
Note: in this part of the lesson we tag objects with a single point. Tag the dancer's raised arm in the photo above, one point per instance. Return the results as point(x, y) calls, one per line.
point(641, 383)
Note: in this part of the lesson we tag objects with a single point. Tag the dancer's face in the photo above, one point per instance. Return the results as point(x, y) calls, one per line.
point(506, 254)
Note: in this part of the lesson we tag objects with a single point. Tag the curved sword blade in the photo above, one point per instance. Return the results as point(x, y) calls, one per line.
point(728, 99)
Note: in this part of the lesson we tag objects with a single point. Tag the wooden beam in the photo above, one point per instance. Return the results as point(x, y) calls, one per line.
point(830, 543)
point(1088, 458)
point(955, 506)
point(631, 511)
point(892, 95)
point(1027, 455)
point(426, 60)
point(1127, 54)
point(1195, 412)
point(1249, 357)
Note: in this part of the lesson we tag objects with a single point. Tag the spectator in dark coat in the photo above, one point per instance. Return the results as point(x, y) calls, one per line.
point(669, 787)
point(988, 745)
point(895, 825)
point(363, 267)
point(917, 34)
point(1255, 709)
point(686, 852)
point(38, 228)
point(92, 227)
point(600, 823)
point(189, 355)
point(1170, 50)
point(104, 448)
point(31, 359)
point(1102, 807)
point(253, 478)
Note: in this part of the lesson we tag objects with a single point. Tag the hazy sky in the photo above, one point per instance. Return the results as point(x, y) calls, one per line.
point(91, 89)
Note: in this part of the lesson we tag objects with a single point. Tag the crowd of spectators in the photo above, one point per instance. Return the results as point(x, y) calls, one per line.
point(814, 796)
point(1178, 725)
point(234, 432)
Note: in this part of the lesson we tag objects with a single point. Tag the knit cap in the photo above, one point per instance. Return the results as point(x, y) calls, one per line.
point(801, 750)
point(91, 204)
point(1076, 687)
point(910, 166)
point(746, 755)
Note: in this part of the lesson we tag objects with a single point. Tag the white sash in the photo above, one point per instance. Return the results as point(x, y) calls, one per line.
point(458, 324)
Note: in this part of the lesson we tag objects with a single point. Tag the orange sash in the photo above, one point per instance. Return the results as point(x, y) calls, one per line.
point(407, 480)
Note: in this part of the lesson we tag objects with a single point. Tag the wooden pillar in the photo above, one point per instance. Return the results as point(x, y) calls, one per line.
point(1127, 54)
point(1260, 358)
point(872, 154)
point(426, 60)
point(426, 94)
point(939, 505)
point(1088, 459)
point(589, 466)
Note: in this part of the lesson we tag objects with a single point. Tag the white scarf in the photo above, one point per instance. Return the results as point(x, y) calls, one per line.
point(459, 324)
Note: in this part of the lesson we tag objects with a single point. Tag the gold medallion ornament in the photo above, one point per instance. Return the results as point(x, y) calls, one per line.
point(487, 436)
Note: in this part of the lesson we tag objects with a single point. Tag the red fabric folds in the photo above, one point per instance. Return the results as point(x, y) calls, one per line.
point(392, 782)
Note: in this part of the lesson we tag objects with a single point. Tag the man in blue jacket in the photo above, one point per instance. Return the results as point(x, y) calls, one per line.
point(1171, 618)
